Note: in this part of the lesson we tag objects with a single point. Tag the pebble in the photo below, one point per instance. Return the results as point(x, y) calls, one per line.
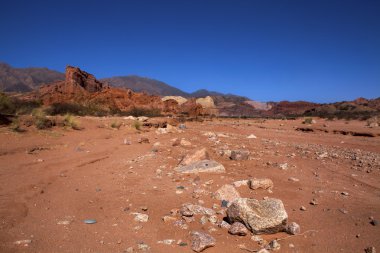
point(345, 193)
point(141, 217)
point(143, 247)
point(314, 202)
point(89, 221)
point(302, 208)
point(23, 242)
point(370, 250)
point(374, 222)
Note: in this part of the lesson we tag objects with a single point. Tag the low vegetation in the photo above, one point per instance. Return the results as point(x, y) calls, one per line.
point(70, 121)
point(116, 124)
point(136, 125)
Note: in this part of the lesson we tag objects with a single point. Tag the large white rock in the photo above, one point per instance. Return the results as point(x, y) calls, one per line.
point(259, 216)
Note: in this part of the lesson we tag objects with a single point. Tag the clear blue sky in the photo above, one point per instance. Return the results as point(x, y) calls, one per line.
point(267, 50)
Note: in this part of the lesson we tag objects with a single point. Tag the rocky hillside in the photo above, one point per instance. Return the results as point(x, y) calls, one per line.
point(26, 79)
point(143, 84)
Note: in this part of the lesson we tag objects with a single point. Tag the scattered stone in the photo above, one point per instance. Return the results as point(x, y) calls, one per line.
point(239, 155)
point(185, 143)
point(166, 241)
point(64, 222)
point(344, 211)
point(314, 202)
point(240, 183)
point(293, 228)
point(201, 241)
point(227, 192)
point(167, 219)
point(263, 251)
point(263, 183)
point(302, 208)
point(143, 140)
point(273, 245)
point(345, 193)
point(130, 250)
point(370, 250)
point(127, 142)
point(141, 217)
point(213, 219)
point(144, 208)
point(89, 221)
point(203, 220)
point(23, 242)
point(224, 224)
point(374, 222)
point(256, 238)
point(238, 228)
point(197, 156)
point(251, 136)
point(293, 179)
point(259, 216)
point(190, 210)
point(143, 246)
point(202, 166)
point(283, 166)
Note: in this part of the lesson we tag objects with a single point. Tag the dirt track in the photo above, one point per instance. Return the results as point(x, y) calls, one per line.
point(73, 175)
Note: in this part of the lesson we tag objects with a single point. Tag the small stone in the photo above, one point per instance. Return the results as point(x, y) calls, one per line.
point(239, 155)
point(256, 238)
point(224, 224)
point(240, 183)
point(345, 193)
point(251, 136)
point(167, 241)
point(238, 228)
point(344, 211)
point(129, 250)
point(263, 183)
point(302, 208)
point(273, 245)
point(23, 242)
point(283, 166)
point(201, 166)
point(293, 228)
point(314, 202)
point(370, 250)
point(203, 220)
point(213, 219)
point(144, 208)
point(89, 221)
point(143, 140)
point(141, 217)
point(201, 241)
point(291, 245)
point(293, 179)
point(374, 222)
point(263, 251)
point(143, 246)
point(167, 219)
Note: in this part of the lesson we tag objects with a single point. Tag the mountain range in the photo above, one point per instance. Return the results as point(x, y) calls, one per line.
point(28, 79)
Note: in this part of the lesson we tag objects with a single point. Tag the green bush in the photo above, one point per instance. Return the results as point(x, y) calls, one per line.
point(136, 124)
point(116, 124)
point(307, 121)
point(70, 121)
point(40, 119)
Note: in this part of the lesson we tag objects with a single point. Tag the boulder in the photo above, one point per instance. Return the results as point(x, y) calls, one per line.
point(201, 166)
point(201, 241)
point(259, 216)
point(227, 192)
point(196, 156)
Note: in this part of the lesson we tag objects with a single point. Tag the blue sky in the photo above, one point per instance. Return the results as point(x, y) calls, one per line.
point(320, 51)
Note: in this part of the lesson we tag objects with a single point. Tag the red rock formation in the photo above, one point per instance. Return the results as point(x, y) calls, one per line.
point(82, 88)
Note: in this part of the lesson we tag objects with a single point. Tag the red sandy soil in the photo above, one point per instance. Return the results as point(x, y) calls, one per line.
point(92, 174)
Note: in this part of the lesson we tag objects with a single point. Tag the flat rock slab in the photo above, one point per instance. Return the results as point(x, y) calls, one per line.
point(260, 216)
point(201, 166)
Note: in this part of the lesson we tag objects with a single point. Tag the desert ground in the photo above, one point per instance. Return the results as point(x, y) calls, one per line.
point(51, 181)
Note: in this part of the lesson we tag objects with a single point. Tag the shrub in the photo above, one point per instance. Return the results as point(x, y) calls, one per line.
point(137, 125)
point(15, 126)
point(40, 119)
point(137, 112)
point(70, 121)
point(308, 121)
point(6, 105)
point(116, 124)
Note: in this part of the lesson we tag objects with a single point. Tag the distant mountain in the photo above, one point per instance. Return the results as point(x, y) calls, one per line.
point(26, 79)
point(204, 93)
point(143, 84)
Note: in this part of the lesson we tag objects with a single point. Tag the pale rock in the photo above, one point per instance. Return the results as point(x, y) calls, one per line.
point(227, 192)
point(201, 166)
point(196, 156)
point(259, 216)
point(261, 183)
